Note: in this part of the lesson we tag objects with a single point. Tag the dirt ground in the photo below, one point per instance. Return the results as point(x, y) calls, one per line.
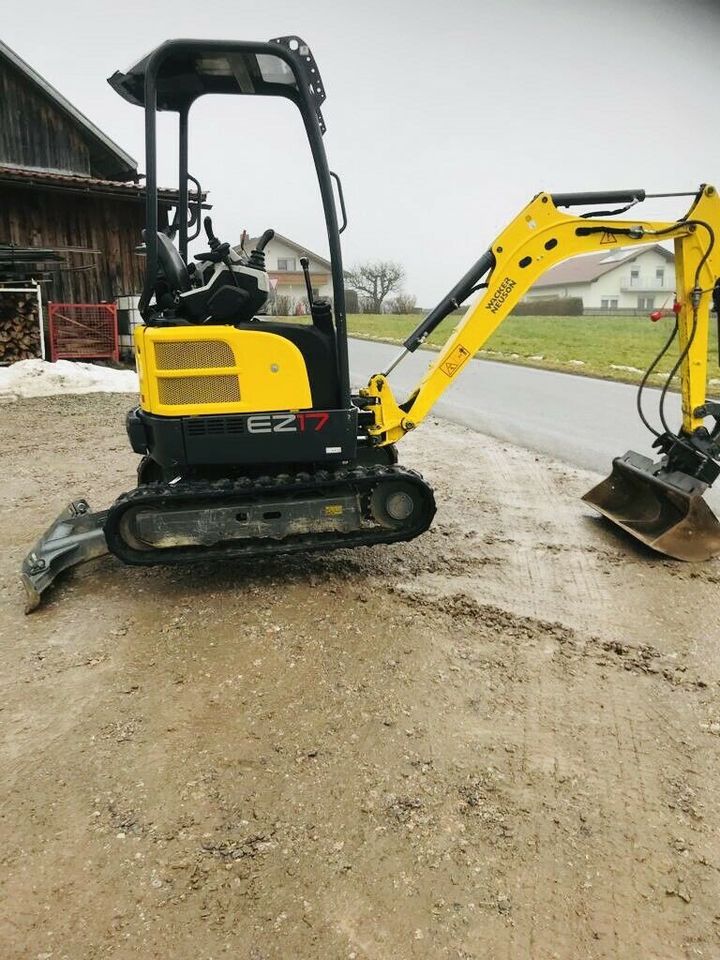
point(499, 741)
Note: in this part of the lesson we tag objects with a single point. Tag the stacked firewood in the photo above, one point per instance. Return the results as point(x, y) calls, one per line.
point(19, 330)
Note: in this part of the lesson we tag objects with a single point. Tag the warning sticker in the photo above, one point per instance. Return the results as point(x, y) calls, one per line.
point(455, 361)
point(609, 237)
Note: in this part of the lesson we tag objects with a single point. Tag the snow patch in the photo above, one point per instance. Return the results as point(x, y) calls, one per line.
point(620, 366)
point(39, 378)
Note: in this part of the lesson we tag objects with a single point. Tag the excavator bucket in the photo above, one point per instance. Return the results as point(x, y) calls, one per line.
point(663, 509)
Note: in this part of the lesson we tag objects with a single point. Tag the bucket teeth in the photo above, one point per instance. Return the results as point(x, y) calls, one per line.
point(664, 509)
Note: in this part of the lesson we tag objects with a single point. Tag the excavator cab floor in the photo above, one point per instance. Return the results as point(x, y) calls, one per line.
point(663, 509)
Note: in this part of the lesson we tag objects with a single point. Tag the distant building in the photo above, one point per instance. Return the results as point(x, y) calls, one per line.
point(629, 279)
point(282, 259)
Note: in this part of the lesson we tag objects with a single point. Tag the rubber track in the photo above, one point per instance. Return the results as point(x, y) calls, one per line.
point(357, 479)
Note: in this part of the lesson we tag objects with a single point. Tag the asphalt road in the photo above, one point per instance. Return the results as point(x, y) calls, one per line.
point(579, 420)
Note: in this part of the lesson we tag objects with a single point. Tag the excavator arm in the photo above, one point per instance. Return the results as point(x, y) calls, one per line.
point(540, 237)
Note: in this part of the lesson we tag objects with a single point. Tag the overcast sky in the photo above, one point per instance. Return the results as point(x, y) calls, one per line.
point(444, 118)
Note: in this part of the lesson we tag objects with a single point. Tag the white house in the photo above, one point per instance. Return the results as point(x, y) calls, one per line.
point(282, 260)
point(634, 278)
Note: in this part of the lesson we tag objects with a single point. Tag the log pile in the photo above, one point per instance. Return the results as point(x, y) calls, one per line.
point(19, 330)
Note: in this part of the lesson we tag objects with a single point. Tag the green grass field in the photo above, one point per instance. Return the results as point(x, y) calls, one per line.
point(617, 348)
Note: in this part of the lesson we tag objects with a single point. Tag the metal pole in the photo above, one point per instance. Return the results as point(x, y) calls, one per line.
point(183, 183)
point(328, 199)
point(40, 321)
point(151, 209)
point(401, 356)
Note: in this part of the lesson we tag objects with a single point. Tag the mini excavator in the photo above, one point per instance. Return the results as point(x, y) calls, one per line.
point(251, 441)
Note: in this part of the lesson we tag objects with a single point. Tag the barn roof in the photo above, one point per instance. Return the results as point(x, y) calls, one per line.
point(22, 177)
point(592, 266)
point(108, 156)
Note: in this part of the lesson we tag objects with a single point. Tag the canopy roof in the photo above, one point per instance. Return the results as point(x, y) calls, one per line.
point(188, 69)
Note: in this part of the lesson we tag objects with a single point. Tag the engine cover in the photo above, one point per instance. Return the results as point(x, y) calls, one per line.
point(208, 368)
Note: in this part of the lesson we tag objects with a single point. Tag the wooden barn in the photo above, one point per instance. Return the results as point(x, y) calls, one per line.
point(71, 201)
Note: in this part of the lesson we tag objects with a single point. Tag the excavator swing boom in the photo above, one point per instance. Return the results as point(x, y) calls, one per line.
point(659, 503)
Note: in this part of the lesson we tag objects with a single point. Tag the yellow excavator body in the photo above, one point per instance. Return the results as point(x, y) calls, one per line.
point(199, 371)
point(252, 440)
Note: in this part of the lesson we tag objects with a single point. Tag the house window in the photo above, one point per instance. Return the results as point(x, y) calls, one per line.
point(609, 304)
point(287, 264)
point(646, 303)
point(660, 276)
point(634, 278)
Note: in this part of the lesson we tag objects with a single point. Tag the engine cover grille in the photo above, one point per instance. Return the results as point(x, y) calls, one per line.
point(190, 354)
point(213, 388)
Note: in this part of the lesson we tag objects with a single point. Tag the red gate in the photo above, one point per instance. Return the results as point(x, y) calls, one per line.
point(83, 331)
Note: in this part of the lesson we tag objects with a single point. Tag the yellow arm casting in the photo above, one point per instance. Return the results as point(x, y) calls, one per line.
point(539, 238)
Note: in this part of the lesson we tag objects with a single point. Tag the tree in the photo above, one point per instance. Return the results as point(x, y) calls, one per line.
point(375, 279)
point(403, 303)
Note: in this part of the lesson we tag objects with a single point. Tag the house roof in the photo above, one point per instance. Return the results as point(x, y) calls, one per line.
point(295, 246)
point(590, 267)
point(104, 151)
point(23, 177)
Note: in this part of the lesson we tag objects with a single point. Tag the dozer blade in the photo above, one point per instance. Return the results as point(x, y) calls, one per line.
point(76, 536)
point(663, 509)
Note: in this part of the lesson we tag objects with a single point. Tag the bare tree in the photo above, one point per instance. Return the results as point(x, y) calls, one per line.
point(403, 303)
point(375, 280)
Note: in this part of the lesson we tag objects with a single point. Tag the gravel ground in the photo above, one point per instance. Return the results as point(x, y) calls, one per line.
point(500, 740)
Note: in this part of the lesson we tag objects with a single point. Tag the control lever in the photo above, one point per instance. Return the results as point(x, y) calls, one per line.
point(218, 252)
point(305, 264)
point(257, 257)
point(212, 239)
point(265, 240)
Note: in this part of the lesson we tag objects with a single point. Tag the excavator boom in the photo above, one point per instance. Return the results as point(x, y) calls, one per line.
point(658, 502)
